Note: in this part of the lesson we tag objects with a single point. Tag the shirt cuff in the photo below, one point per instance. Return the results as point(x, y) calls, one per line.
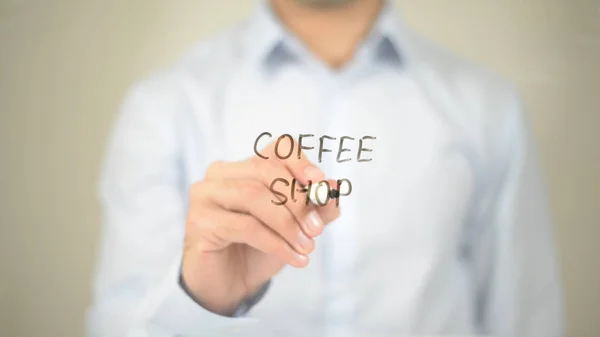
point(243, 308)
point(246, 305)
point(177, 313)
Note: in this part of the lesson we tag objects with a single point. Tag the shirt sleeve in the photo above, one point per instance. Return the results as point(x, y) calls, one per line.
point(516, 273)
point(136, 288)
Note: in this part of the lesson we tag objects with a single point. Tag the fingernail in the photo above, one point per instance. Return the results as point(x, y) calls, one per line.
point(301, 259)
point(305, 242)
point(314, 223)
point(313, 173)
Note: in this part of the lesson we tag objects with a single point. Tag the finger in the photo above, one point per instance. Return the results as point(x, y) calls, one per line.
point(253, 198)
point(246, 229)
point(300, 168)
point(330, 210)
point(267, 171)
point(306, 173)
point(288, 152)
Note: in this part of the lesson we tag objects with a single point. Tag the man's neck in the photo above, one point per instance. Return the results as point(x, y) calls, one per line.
point(332, 34)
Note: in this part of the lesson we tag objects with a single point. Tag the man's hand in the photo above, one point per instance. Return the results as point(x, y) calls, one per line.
point(237, 239)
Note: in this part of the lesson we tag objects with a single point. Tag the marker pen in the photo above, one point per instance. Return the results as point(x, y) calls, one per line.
point(320, 193)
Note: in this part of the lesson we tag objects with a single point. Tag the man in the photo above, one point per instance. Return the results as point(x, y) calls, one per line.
point(445, 228)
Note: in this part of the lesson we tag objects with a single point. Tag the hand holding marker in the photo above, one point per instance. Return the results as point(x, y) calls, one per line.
point(236, 241)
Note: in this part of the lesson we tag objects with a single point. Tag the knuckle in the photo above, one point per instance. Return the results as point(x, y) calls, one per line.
point(286, 218)
point(207, 222)
point(266, 171)
point(214, 169)
point(197, 224)
point(250, 190)
point(270, 148)
point(197, 217)
point(222, 229)
point(275, 247)
point(242, 226)
point(257, 164)
point(289, 225)
point(196, 189)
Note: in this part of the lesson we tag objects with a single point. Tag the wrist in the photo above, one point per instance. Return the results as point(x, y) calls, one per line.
point(208, 286)
point(224, 306)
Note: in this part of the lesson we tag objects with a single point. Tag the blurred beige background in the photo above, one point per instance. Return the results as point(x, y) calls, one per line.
point(64, 67)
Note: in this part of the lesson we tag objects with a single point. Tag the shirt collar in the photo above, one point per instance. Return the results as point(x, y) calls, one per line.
point(269, 41)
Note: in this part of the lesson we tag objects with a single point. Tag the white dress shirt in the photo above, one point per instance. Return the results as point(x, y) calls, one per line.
point(447, 228)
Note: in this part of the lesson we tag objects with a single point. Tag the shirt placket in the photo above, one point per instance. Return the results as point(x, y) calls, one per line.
point(339, 239)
